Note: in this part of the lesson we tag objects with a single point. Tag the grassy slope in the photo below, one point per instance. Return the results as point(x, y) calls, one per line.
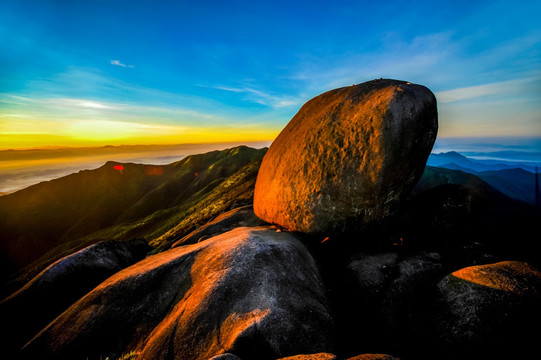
point(47, 221)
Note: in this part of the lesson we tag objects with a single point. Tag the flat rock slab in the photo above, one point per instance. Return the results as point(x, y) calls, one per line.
point(347, 158)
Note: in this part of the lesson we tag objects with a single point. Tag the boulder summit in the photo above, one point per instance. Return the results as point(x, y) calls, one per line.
point(347, 157)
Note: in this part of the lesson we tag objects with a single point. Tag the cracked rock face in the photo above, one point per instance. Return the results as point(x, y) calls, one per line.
point(347, 158)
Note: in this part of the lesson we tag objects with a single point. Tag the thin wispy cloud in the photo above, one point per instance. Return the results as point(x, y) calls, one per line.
point(474, 92)
point(435, 60)
point(261, 97)
point(526, 87)
point(418, 60)
point(80, 108)
point(118, 63)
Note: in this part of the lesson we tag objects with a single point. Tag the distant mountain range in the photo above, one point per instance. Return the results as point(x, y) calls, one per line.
point(498, 156)
point(514, 179)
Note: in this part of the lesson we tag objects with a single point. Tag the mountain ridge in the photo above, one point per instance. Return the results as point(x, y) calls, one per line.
point(511, 179)
point(133, 200)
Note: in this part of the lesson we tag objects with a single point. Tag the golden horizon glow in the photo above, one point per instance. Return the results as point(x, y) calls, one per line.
point(44, 142)
point(75, 122)
point(102, 133)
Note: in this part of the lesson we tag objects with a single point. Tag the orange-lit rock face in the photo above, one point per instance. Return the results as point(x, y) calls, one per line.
point(490, 310)
point(509, 276)
point(347, 157)
point(250, 291)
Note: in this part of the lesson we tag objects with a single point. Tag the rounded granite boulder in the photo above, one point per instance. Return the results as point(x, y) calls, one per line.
point(347, 158)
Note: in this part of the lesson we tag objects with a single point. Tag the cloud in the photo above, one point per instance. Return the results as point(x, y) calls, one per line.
point(64, 109)
point(473, 92)
point(525, 87)
point(440, 61)
point(261, 97)
point(118, 63)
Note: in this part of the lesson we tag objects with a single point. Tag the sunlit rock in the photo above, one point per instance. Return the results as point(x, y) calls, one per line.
point(318, 356)
point(373, 357)
point(347, 158)
point(492, 311)
point(251, 292)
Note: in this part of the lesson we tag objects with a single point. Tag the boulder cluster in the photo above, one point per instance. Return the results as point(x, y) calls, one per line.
point(294, 277)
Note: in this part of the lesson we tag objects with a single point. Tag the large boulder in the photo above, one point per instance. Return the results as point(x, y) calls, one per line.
point(347, 158)
point(252, 292)
point(62, 283)
point(491, 311)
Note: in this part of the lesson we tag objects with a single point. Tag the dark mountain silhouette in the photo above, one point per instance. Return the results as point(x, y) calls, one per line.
point(44, 222)
point(452, 208)
point(516, 183)
point(509, 178)
point(451, 157)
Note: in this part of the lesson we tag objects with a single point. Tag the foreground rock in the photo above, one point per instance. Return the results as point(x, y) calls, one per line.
point(347, 157)
point(491, 311)
point(251, 292)
point(385, 301)
point(240, 217)
point(61, 284)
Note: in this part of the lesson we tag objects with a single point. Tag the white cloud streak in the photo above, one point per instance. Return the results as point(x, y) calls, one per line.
point(261, 97)
point(118, 63)
point(526, 86)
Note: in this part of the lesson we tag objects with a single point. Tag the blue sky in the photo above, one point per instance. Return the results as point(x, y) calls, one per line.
point(100, 72)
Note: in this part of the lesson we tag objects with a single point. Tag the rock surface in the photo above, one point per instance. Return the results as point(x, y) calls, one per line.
point(347, 157)
point(61, 284)
point(373, 357)
point(240, 217)
point(226, 356)
point(385, 298)
point(318, 356)
point(491, 310)
point(252, 292)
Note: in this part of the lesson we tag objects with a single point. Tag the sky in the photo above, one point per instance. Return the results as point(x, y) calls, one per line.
point(94, 73)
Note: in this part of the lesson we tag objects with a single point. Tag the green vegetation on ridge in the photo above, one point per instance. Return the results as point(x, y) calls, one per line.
point(50, 220)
